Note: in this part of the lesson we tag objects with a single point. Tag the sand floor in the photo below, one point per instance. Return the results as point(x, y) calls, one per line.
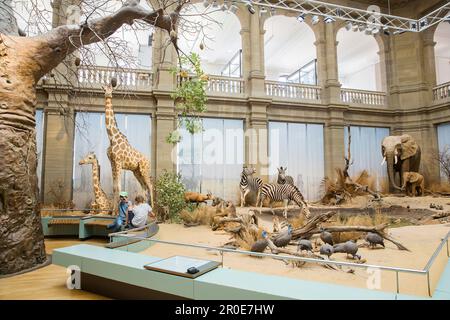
point(421, 240)
point(49, 282)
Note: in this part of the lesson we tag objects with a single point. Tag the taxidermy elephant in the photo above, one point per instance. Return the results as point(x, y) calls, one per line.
point(413, 183)
point(402, 154)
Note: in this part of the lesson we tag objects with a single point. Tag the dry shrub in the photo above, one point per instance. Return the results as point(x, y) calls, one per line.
point(443, 187)
point(298, 221)
point(202, 215)
point(247, 237)
point(340, 189)
point(359, 220)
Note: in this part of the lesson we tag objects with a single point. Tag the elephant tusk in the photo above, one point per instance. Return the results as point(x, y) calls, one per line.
point(396, 159)
point(384, 161)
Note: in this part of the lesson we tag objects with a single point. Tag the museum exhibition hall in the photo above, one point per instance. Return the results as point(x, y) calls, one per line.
point(225, 149)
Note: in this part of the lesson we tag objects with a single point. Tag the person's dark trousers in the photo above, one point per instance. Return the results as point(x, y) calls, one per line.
point(130, 218)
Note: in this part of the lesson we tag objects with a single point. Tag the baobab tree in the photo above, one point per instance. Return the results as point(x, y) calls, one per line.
point(23, 62)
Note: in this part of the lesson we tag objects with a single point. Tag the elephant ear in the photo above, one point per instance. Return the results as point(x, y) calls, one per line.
point(409, 146)
point(413, 177)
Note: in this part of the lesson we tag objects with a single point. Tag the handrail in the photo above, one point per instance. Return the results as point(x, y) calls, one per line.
point(367, 97)
point(441, 91)
point(292, 90)
point(425, 270)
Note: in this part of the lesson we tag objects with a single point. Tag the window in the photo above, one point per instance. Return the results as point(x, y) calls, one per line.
point(91, 136)
point(234, 67)
point(211, 161)
point(366, 153)
point(300, 148)
point(305, 75)
point(39, 143)
point(444, 141)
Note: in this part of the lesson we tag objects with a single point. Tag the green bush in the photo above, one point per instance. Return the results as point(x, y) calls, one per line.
point(169, 196)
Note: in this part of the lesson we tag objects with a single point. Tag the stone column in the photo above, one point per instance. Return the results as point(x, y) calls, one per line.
point(256, 146)
point(255, 46)
point(328, 79)
point(164, 83)
point(58, 155)
point(334, 143)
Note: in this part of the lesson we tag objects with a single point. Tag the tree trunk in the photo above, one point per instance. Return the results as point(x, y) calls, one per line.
point(23, 61)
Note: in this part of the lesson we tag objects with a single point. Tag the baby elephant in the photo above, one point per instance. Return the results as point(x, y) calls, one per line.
point(413, 183)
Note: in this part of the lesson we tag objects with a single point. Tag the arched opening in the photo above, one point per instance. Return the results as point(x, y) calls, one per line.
point(215, 36)
point(289, 51)
point(442, 52)
point(358, 61)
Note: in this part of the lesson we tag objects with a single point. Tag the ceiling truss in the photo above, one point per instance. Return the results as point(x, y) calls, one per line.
point(368, 18)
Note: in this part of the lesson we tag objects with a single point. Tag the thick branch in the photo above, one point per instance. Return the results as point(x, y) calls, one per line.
point(64, 40)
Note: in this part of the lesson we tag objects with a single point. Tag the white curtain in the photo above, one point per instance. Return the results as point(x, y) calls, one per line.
point(300, 148)
point(39, 143)
point(211, 161)
point(366, 152)
point(91, 136)
point(443, 140)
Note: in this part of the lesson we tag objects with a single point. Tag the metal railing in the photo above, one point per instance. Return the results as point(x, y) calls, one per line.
point(372, 98)
point(441, 92)
point(293, 90)
point(397, 270)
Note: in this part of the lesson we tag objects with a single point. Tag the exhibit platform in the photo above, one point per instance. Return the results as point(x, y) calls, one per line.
point(121, 274)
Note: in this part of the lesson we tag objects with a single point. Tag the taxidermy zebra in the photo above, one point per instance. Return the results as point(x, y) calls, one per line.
point(283, 178)
point(285, 193)
point(249, 183)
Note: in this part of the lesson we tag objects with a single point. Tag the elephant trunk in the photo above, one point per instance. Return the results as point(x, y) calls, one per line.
point(390, 167)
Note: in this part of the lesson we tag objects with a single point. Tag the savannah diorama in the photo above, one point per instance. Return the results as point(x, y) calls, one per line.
point(393, 216)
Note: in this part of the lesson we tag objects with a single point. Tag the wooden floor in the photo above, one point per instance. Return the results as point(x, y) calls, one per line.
point(46, 283)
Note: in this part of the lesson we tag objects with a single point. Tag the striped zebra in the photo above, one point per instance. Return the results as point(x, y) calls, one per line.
point(283, 178)
point(249, 183)
point(285, 193)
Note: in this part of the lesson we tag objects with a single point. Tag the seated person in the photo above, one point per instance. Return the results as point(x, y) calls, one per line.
point(124, 207)
point(138, 216)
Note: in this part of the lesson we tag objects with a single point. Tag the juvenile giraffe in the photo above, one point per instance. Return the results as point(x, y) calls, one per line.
point(122, 155)
point(101, 201)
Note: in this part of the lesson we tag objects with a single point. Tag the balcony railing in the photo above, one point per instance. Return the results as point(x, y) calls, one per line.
point(219, 85)
point(441, 92)
point(293, 90)
point(372, 98)
point(133, 79)
point(226, 85)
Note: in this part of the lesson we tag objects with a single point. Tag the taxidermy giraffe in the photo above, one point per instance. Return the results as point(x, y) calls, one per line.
point(122, 155)
point(101, 201)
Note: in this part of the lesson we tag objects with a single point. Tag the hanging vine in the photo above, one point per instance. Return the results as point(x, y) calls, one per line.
point(190, 96)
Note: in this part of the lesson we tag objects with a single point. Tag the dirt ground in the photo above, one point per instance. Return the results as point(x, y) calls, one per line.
point(421, 240)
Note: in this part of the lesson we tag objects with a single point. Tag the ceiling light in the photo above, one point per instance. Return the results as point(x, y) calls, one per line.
point(361, 27)
point(368, 31)
point(423, 23)
point(224, 6)
point(413, 25)
point(233, 8)
point(214, 4)
point(315, 19)
point(355, 27)
point(206, 3)
point(348, 26)
point(329, 19)
point(375, 30)
point(262, 11)
point(250, 8)
point(272, 11)
point(301, 18)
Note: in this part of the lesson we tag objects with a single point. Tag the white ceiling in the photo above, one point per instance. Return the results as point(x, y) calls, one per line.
point(288, 45)
point(220, 35)
point(442, 39)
